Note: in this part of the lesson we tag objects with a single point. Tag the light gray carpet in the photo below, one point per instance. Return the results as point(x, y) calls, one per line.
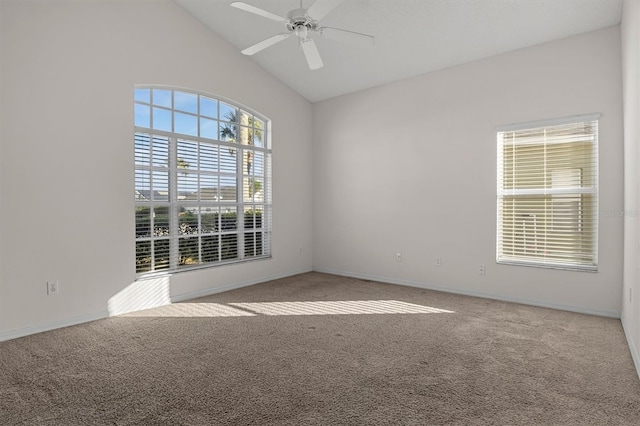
point(210, 362)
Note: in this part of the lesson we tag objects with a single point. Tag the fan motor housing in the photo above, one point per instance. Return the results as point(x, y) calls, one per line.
point(299, 18)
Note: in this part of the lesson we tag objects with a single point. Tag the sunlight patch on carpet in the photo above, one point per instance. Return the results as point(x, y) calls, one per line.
point(346, 307)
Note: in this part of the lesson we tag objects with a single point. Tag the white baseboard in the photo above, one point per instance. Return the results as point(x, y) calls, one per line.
point(409, 283)
point(39, 328)
point(635, 355)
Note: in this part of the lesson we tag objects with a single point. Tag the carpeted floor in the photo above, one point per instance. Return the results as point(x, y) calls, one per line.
point(398, 355)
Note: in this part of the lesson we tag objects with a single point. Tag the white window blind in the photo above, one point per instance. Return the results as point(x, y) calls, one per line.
point(202, 181)
point(547, 194)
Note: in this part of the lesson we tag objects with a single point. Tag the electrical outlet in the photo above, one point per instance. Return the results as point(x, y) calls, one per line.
point(52, 287)
point(630, 294)
point(438, 261)
point(482, 270)
point(300, 250)
point(398, 257)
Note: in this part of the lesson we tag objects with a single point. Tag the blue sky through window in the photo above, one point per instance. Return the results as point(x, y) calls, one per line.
point(196, 115)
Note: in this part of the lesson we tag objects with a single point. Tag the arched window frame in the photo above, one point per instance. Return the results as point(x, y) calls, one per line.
point(202, 180)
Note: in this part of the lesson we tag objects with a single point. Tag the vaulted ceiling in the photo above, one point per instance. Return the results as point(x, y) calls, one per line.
point(412, 37)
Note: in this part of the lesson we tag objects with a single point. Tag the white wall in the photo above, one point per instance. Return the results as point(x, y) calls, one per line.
point(411, 167)
point(630, 29)
point(2, 42)
point(66, 182)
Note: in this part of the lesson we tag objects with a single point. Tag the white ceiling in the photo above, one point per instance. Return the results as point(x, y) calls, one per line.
point(412, 36)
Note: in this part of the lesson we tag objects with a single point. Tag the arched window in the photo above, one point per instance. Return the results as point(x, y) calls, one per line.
point(202, 181)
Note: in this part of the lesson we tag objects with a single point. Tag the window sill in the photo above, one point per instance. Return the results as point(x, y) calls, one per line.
point(548, 265)
point(169, 272)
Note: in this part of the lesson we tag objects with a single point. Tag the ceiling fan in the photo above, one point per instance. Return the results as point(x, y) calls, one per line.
point(303, 23)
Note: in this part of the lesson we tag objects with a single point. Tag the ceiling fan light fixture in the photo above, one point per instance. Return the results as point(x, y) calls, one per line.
point(302, 32)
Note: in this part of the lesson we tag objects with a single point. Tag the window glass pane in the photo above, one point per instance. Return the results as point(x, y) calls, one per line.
point(209, 219)
point(187, 186)
point(228, 132)
point(143, 256)
point(228, 188)
point(229, 246)
point(185, 124)
point(187, 155)
point(188, 251)
point(258, 164)
point(160, 219)
point(143, 185)
point(210, 248)
point(142, 148)
point(143, 222)
point(161, 256)
point(183, 101)
point(258, 132)
point(228, 113)
point(160, 152)
point(253, 244)
point(258, 124)
point(209, 188)
point(245, 135)
point(246, 119)
point(252, 218)
point(258, 137)
point(208, 158)
point(188, 221)
point(160, 186)
point(259, 243)
point(247, 162)
point(208, 107)
point(162, 97)
point(142, 115)
point(228, 159)
point(162, 119)
point(253, 190)
point(208, 128)
point(142, 95)
point(229, 219)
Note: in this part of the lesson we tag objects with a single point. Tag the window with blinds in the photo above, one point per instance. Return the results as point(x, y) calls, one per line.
point(202, 181)
point(547, 195)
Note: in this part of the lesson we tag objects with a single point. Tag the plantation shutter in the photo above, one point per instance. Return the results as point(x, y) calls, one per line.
point(547, 195)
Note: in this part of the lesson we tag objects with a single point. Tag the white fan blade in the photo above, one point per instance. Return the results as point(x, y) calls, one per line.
point(264, 44)
point(351, 37)
point(311, 54)
point(320, 8)
point(256, 10)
